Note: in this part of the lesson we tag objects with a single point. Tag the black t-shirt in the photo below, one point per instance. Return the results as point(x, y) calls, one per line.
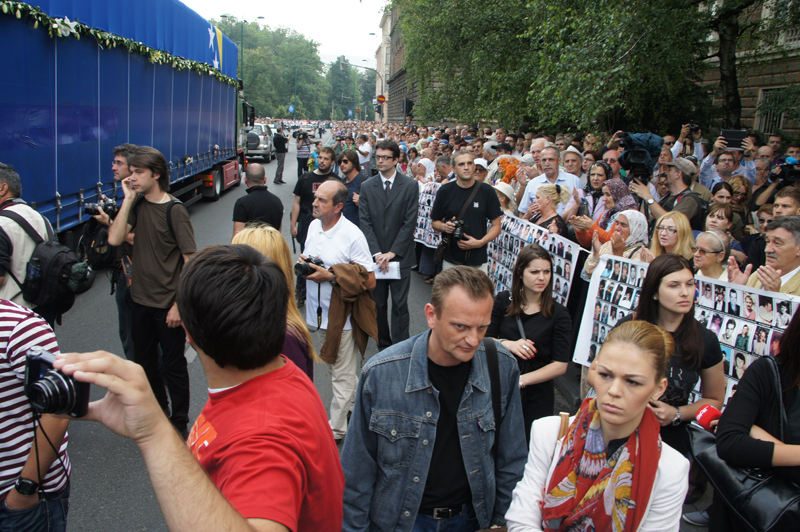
point(681, 380)
point(306, 186)
point(280, 142)
point(485, 207)
point(259, 204)
point(447, 484)
point(550, 335)
point(350, 208)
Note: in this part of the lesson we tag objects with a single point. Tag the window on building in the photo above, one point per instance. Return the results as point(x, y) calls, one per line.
point(768, 121)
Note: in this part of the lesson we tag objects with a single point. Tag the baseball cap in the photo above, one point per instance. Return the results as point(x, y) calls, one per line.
point(684, 166)
point(480, 161)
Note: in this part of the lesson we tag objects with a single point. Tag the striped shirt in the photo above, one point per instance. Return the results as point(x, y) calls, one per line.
point(21, 329)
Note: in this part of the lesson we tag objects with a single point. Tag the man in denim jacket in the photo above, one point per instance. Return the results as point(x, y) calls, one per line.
point(419, 448)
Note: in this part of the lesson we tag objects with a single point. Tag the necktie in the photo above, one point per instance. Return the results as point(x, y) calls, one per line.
point(388, 187)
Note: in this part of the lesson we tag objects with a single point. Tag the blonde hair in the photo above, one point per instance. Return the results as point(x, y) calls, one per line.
point(269, 242)
point(685, 243)
point(651, 339)
point(738, 181)
point(556, 193)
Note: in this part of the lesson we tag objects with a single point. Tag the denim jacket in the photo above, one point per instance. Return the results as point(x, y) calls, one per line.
point(390, 439)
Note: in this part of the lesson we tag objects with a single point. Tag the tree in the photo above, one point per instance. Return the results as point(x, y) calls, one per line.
point(273, 59)
point(366, 87)
point(343, 96)
point(637, 65)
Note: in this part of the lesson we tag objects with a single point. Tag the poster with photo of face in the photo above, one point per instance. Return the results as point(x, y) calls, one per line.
point(515, 235)
point(748, 322)
point(424, 233)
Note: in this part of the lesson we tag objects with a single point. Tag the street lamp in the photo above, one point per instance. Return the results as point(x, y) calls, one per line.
point(367, 68)
point(241, 41)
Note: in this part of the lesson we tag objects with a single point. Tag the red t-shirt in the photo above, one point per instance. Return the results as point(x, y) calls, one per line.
point(267, 446)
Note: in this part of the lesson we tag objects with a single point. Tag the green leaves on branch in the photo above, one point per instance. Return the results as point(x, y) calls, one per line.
point(64, 28)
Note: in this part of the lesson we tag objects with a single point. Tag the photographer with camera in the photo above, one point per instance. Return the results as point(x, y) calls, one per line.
point(104, 214)
point(461, 210)
point(34, 478)
point(722, 164)
point(337, 256)
point(304, 147)
point(681, 198)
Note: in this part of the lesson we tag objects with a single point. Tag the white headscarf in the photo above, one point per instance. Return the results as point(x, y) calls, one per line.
point(638, 227)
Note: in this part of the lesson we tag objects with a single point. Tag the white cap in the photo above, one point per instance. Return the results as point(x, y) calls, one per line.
point(480, 161)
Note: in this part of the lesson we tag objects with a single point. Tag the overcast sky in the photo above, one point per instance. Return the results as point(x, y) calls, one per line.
point(341, 27)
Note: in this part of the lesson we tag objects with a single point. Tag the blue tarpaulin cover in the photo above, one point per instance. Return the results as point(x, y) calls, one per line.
point(179, 30)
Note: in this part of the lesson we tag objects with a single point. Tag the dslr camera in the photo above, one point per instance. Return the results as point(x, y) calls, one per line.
point(303, 269)
point(458, 232)
point(106, 205)
point(694, 128)
point(49, 390)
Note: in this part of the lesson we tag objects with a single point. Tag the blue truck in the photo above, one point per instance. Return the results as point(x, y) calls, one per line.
point(83, 76)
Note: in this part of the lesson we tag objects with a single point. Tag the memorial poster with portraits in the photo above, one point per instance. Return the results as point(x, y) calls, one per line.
point(515, 234)
point(748, 322)
point(424, 232)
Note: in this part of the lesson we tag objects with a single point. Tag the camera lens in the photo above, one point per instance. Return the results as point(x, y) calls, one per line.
point(301, 270)
point(53, 394)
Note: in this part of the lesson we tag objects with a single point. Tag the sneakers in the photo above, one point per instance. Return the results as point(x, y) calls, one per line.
point(697, 518)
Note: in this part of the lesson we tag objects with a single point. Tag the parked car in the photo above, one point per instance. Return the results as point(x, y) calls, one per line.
point(259, 142)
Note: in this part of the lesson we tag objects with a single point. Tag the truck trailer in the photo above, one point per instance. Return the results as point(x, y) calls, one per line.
point(84, 76)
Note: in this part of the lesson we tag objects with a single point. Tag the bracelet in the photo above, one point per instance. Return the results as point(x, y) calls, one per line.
point(521, 384)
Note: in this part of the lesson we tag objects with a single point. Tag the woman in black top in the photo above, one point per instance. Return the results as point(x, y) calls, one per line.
point(543, 351)
point(748, 434)
point(667, 300)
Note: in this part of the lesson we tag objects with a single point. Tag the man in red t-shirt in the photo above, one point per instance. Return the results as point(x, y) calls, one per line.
point(264, 455)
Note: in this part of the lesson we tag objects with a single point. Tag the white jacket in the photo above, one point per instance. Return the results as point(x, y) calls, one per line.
point(666, 501)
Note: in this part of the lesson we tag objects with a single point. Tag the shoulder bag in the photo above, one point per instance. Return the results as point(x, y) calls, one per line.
point(761, 498)
point(438, 255)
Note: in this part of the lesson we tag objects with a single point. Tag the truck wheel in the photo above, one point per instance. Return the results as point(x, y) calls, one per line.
point(215, 191)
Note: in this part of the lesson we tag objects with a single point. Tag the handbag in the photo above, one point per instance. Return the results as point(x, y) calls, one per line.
point(761, 498)
point(438, 255)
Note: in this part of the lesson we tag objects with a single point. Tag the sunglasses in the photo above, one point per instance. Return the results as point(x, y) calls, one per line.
point(704, 252)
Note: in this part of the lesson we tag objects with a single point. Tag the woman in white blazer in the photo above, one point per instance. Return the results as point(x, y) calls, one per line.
point(611, 471)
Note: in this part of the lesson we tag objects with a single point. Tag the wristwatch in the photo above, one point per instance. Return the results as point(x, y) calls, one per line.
point(677, 419)
point(651, 201)
point(334, 282)
point(26, 486)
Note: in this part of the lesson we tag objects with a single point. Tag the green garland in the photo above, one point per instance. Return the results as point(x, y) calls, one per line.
point(58, 27)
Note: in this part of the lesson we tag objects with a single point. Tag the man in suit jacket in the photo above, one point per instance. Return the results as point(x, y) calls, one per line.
point(387, 211)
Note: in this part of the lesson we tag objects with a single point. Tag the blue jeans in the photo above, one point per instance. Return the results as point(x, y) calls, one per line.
point(47, 515)
point(463, 522)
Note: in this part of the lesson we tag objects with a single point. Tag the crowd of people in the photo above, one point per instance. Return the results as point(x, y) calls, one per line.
point(451, 426)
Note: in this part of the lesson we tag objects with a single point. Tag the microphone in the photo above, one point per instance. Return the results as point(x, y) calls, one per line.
point(706, 415)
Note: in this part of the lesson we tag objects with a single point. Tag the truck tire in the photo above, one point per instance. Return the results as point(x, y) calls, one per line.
point(214, 192)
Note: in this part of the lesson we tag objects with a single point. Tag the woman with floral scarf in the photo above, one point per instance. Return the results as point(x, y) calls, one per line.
point(611, 471)
point(616, 198)
point(629, 238)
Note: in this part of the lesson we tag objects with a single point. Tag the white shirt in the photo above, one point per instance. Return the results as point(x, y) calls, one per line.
point(663, 513)
point(389, 179)
point(364, 153)
point(563, 180)
point(342, 243)
point(786, 278)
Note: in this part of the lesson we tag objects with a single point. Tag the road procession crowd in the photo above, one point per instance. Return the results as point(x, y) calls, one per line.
point(451, 427)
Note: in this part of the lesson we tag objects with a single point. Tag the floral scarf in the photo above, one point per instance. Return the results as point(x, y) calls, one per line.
point(623, 201)
point(591, 491)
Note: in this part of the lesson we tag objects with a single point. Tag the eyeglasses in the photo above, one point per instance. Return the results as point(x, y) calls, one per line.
point(610, 161)
point(669, 143)
point(384, 157)
point(672, 230)
point(704, 252)
point(739, 194)
point(764, 221)
point(116, 163)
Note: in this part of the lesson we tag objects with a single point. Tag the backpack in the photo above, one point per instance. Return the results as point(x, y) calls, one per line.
point(94, 247)
point(53, 274)
point(698, 221)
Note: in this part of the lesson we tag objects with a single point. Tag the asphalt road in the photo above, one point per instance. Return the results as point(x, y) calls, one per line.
point(111, 489)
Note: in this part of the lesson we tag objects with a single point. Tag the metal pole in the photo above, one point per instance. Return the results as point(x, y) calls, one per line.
point(241, 56)
point(294, 100)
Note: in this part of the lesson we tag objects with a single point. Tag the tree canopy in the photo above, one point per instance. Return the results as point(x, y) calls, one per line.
point(575, 65)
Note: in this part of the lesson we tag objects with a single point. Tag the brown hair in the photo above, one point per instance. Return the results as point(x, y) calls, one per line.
point(153, 160)
point(527, 255)
point(475, 283)
point(650, 338)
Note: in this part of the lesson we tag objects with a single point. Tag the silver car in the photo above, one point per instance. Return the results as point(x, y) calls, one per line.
point(259, 142)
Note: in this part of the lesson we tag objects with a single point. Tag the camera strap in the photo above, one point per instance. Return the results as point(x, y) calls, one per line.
point(461, 214)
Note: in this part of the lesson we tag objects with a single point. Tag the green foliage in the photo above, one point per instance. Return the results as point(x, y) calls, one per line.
point(343, 83)
point(272, 60)
point(570, 65)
